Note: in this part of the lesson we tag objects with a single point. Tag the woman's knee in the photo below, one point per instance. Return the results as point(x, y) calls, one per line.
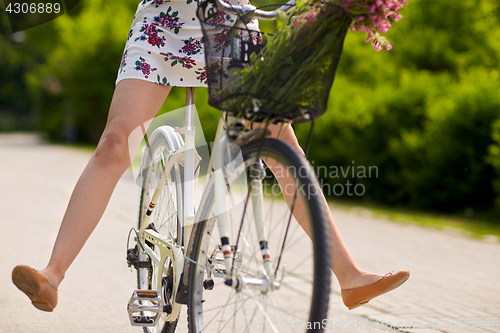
point(113, 148)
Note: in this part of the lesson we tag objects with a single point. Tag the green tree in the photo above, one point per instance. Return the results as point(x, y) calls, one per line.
point(75, 84)
point(493, 159)
point(421, 112)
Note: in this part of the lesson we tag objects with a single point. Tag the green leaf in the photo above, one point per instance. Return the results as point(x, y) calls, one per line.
point(281, 20)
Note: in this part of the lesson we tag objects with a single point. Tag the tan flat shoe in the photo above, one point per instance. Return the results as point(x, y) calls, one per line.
point(42, 294)
point(356, 297)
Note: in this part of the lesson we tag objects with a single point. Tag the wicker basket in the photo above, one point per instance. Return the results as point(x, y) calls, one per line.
point(231, 47)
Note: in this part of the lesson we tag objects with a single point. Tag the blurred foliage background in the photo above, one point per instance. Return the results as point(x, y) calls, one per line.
point(426, 114)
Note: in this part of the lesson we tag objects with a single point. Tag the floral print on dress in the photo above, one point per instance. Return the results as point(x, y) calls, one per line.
point(150, 33)
point(192, 46)
point(221, 18)
point(157, 3)
point(163, 82)
point(202, 75)
point(210, 74)
point(165, 44)
point(187, 63)
point(142, 65)
point(169, 20)
point(123, 63)
point(222, 39)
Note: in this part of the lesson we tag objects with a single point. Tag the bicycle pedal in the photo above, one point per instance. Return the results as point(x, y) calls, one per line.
point(145, 308)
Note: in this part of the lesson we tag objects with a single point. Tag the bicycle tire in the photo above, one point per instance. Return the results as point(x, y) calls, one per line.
point(311, 293)
point(165, 215)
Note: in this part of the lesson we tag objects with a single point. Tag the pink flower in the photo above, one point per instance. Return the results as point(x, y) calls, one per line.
point(373, 17)
point(385, 27)
point(376, 44)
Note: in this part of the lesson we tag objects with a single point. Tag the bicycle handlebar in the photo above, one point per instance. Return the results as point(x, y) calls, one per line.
point(252, 11)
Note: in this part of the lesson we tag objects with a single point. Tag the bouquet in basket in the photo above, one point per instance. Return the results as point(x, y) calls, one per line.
point(298, 63)
point(373, 17)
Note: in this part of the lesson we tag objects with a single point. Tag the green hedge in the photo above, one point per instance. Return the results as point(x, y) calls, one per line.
point(493, 159)
point(429, 149)
point(421, 113)
point(424, 115)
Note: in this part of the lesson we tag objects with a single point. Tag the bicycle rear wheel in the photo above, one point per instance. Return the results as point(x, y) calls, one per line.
point(165, 217)
point(300, 268)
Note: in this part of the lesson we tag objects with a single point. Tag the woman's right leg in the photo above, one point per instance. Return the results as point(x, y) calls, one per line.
point(134, 103)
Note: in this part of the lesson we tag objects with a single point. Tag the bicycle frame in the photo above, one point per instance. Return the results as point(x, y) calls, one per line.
point(179, 254)
point(187, 156)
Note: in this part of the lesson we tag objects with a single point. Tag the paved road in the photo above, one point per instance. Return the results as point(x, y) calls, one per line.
point(454, 284)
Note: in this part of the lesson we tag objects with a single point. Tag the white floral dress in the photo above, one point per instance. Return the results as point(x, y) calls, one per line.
point(165, 44)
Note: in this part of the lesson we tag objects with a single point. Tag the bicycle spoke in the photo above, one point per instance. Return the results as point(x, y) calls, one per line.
point(266, 316)
point(259, 302)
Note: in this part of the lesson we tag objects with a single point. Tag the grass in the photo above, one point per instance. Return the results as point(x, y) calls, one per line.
point(483, 227)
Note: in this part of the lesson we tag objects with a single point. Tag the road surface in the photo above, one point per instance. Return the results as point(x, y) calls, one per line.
point(454, 284)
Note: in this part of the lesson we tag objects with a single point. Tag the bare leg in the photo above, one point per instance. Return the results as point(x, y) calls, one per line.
point(349, 274)
point(134, 102)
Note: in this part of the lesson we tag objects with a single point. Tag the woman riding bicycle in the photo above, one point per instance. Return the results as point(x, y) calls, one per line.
point(164, 49)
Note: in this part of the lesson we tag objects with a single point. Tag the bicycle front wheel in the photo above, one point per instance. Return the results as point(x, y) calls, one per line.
point(291, 293)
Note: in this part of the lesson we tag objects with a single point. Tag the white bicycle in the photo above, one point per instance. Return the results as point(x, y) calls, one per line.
point(237, 258)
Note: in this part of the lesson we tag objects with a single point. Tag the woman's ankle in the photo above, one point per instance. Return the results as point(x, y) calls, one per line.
point(358, 278)
point(53, 276)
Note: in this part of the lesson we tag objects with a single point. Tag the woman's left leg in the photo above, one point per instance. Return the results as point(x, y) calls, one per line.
point(344, 267)
point(358, 286)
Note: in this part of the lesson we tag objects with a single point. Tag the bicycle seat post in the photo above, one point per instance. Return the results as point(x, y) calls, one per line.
point(189, 165)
